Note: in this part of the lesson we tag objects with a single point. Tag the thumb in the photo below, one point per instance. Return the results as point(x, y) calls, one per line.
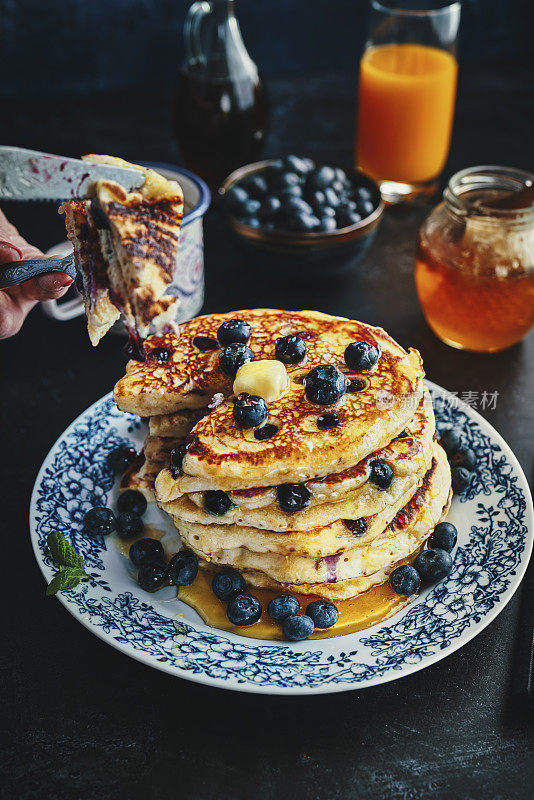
point(50, 286)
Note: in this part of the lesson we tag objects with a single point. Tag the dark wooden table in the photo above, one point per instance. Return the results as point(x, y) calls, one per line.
point(83, 721)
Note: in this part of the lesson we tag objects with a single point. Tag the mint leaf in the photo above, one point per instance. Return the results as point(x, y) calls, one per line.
point(65, 578)
point(62, 552)
point(72, 567)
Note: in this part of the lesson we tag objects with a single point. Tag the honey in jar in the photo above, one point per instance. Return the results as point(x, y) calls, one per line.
point(474, 270)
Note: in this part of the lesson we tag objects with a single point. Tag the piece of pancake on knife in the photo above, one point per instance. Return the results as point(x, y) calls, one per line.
point(125, 249)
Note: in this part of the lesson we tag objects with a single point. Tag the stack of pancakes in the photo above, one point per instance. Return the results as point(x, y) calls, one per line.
point(351, 533)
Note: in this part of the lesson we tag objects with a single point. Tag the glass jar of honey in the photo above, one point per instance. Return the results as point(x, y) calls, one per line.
point(474, 269)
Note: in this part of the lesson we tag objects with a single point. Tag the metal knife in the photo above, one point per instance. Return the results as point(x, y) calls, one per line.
point(31, 175)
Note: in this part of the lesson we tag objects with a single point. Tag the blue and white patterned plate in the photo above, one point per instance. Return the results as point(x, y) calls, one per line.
point(494, 519)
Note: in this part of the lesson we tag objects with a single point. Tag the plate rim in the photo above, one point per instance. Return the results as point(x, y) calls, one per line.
point(328, 688)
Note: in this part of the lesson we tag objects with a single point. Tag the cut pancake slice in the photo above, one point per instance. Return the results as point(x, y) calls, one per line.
point(401, 539)
point(135, 249)
point(92, 268)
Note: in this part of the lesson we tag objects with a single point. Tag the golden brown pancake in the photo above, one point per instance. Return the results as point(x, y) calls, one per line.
point(221, 455)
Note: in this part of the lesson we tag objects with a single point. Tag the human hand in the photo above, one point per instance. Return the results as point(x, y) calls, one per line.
point(17, 301)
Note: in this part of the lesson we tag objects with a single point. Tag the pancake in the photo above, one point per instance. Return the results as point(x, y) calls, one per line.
point(407, 455)
point(400, 540)
point(91, 266)
point(312, 543)
point(178, 424)
point(221, 455)
point(125, 247)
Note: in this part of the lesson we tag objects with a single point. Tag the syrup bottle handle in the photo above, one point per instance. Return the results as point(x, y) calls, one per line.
point(193, 22)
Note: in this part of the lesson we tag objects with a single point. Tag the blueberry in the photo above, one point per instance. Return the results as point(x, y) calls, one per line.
point(317, 200)
point(301, 166)
point(360, 356)
point(250, 207)
point(99, 521)
point(322, 613)
point(433, 565)
point(444, 536)
point(356, 526)
point(355, 385)
point(233, 331)
point(130, 500)
point(233, 357)
point(205, 343)
point(338, 187)
point(269, 208)
point(292, 205)
point(381, 474)
point(284, 179)
point(252, 222)
point(265, 432)
point(405, 580)
point(227, 583)
point(243, 609)
point(160, 353)
point(328, 420)
point(331, 197)
point(283, 606)
point(346, 218)
point(183, 568)
point(293, 497)
point(236, 197)
point(250, 410)
point(176, 459)
point(298, 627)
point(217, 502)
point(328, 211)
point(327, 224)
point(464, 457)
point(290, 349)
point(302, 222)
point(325, 384)
point(366, 207)
point(129, 524)
point(144, 550)
point(322, 177)
point(460, 479)
point(290, 191)
point(341, 176)
point(450, 440)
point(256, 185)
point(152, 576)
point(347, 206)
point(121, 457)
point(363, 193)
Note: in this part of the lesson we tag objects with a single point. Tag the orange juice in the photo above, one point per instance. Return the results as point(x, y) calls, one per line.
point(406, 108)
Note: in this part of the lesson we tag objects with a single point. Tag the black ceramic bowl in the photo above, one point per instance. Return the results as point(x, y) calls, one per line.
point(323, 253)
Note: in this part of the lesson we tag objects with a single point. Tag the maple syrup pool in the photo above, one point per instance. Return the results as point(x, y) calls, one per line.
point(356, 614)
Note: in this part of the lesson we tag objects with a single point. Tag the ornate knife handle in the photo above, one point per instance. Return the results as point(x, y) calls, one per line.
point(20, 271)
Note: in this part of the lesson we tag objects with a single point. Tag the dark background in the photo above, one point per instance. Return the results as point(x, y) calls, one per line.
point(87, 45)
point(80, 720)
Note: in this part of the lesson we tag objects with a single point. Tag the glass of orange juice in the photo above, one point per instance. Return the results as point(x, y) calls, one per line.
point(407, 94)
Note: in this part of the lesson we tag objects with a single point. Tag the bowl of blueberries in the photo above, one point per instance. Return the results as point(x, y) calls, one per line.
point(292, 213)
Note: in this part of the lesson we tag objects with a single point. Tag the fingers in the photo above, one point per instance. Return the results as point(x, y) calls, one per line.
point(11, 316)
point(9, 252)
point(50, 286)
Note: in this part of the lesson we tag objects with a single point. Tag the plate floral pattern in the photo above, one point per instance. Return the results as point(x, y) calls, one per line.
point(493, 516)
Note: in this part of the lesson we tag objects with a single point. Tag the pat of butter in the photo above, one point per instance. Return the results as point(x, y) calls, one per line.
point(267, 379)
